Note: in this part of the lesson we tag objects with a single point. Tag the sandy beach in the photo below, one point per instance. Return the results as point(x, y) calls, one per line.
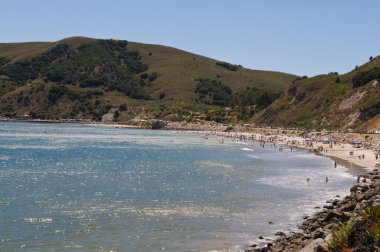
point(338, 146)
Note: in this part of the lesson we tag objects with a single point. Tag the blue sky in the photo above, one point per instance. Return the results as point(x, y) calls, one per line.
point(305, 37)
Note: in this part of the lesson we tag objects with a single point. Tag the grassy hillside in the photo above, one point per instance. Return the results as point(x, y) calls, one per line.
point(351, 100)
point(89, 78)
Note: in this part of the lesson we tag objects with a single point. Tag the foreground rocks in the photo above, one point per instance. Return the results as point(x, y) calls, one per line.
point(316, 230)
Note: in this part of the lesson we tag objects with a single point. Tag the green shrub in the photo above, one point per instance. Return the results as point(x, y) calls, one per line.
point(339, 238)
point(3, 61)
point(362, 78)
point(56, 92)
point(152, 77)
point(229, 66)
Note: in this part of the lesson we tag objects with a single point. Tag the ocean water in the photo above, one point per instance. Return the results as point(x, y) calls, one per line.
point(83, 188)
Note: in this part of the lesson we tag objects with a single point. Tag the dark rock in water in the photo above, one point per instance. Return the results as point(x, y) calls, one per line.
point(335, 202)
point(280, 234)
point(260, 237)
point(328, 206)
point(271, 222)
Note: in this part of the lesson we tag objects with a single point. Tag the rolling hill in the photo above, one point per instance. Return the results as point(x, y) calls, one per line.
point(329, 101)
point(98, 79)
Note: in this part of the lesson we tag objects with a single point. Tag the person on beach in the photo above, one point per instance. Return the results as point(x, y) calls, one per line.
point(327, 179)
point(308, 180)
point(358, 179)
point(266, 248)
point(335, 164)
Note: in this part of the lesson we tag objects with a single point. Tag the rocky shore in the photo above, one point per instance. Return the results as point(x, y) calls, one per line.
point(316, 230)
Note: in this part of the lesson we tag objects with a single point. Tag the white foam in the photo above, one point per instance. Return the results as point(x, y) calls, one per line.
point(35, 219)
point(247, 149)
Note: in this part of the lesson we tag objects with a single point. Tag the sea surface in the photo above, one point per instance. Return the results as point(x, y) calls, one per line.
point(84, 188)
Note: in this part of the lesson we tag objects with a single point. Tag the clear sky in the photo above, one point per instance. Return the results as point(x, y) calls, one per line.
point(304, 37)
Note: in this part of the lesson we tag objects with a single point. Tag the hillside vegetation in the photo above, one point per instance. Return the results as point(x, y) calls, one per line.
point(118, 80)
point(330, 101)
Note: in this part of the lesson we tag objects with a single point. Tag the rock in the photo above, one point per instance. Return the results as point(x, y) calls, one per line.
point(297, 235)
point(319, 234)
point(348, 207)
point(323, 247)
point(330, 226)
point(328, 206)
point(335, 202)
point(271, 222)
point(359, 196)
point(331, 215)
point(328, 237)
point(364, 188)
point(279, 233)
point(260, 237)
point(313, 245)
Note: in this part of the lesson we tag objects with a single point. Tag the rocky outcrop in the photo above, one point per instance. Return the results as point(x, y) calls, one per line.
point(316, 230)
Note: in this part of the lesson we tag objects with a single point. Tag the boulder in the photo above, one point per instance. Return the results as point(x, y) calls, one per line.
point(313, 245)
point(333, 214)
point(279, 233)
point(319, 234)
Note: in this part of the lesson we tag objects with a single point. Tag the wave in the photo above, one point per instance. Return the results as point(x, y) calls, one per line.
point(35, 220)
point(247, 149)
point(215, 164)
point(33, 147)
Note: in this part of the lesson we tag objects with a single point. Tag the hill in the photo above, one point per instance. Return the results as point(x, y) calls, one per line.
point(330, 101)
point(97, 79)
